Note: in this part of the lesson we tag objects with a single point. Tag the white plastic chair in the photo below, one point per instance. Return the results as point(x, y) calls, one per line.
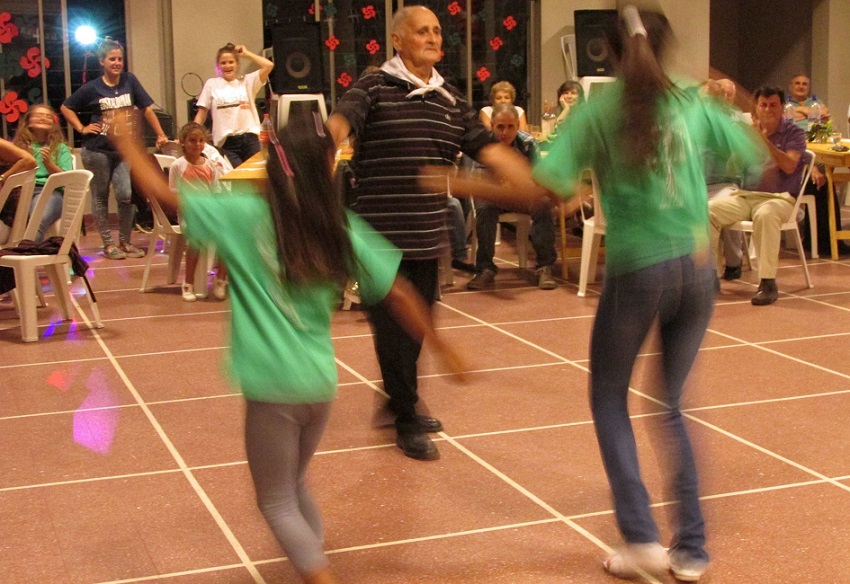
point(790, 224)
point(171, 234)
point(522, 222)
point(26, 182)
point(174, 244)
point(75, 184)
point(592, 231)
point(808, 201)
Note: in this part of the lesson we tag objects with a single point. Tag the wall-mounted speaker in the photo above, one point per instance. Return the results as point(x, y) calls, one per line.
point(593, 55)
point(298, 58)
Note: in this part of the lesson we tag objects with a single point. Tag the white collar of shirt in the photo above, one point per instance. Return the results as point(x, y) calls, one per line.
point(396, 68)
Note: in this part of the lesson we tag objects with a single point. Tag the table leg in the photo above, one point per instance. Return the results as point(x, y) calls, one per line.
point(833, 241)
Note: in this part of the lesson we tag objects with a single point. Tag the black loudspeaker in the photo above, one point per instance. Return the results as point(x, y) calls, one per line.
point(166, 120)
point(297, 58)
point(593, 56)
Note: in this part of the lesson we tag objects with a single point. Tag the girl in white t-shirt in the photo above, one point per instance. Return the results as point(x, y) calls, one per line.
point(230, 99)
point(194, 172)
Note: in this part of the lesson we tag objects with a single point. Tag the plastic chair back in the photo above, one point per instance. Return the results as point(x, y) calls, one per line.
point(75, 184)
point(26, 182)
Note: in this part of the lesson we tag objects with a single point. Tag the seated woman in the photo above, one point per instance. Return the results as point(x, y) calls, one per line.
point(502, 92)
point(570, 94)
point(12, 161)
point(39, 134)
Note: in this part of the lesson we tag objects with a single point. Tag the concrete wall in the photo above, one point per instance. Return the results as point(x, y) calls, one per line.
point(200, 28)
point(689, 19)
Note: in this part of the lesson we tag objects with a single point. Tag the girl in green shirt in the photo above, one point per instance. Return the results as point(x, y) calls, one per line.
point(40, 134)
point(289, 253)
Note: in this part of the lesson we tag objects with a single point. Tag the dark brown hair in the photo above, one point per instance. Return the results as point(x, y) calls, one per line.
point(307, 209)
point(638, 58)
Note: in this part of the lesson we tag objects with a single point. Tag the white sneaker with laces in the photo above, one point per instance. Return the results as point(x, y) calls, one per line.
point(189, 292)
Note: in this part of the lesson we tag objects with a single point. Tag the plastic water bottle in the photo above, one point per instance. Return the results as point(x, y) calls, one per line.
point(789, 109)
point(814, 113)
point(266, 131)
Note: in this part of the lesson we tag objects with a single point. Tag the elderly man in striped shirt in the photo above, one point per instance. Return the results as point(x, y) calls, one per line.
point(403, 117)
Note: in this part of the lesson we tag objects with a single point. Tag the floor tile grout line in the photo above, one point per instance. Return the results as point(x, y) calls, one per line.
point(175, 574)
point(781, 354)
point(465, 533)
point(518, 338)
point(356, 374)
point(178, 458)
point(767, 451)
point(172, 315)
point(47, 363)
point(537, 500)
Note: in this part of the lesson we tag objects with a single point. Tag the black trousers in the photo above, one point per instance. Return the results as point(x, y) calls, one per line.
point(240, 148)
point(397, 352)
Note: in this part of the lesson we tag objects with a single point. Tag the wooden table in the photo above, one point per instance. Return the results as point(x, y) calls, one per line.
point(824, 154)
point(252, 171)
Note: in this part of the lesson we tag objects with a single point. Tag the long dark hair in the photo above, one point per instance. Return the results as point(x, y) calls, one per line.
point(644, 81)
point(306, 205)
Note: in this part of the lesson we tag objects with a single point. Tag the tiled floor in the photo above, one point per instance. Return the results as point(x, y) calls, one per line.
point(122, 457)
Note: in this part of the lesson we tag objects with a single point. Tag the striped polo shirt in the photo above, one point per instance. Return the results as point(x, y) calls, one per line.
point(394, 136)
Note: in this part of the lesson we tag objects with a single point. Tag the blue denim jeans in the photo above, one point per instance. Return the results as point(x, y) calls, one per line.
point(52, 212)
point(680, 294)
point(110, 169)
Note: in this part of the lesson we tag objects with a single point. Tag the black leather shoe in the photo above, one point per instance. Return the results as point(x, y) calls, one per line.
point(463, 266)
point(732, 273)
point(428, 424)
point(418, 446)
point(767, 293)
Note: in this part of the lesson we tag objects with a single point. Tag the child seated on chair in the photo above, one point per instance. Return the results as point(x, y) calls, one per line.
point(196, 172)
point(39, 134)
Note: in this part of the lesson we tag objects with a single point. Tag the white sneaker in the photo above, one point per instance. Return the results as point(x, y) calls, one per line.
point(634, 558)
point(686, 568)
point(189, 292)
point(220, 289)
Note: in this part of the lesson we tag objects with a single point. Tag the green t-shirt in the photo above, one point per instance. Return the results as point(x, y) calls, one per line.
point(63, 160)
point(651, 214)
point(280, 334)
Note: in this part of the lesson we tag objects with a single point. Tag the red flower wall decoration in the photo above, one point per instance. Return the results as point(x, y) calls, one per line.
point(8, 30)
point(373, 47)
point(12, 107)
point(509, 23)
point(369, 12)
point(496, 43)
point(32, 62)
point(344, 79)
point(332, 43)
point(455, 9)
point(483, 74)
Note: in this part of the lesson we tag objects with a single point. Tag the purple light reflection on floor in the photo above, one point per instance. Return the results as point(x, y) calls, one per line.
point(95, 428)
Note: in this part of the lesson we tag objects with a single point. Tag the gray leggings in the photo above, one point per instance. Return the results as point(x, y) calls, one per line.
point(280, 439)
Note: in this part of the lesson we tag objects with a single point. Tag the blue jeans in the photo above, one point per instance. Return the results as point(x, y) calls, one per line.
point(52, 212)
point(542, 235)
point(457, 229)
point(110, 169)
point(680, 294)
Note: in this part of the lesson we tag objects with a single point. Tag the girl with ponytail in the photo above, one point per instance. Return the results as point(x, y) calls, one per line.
point(289, 252)
point(643, 138)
